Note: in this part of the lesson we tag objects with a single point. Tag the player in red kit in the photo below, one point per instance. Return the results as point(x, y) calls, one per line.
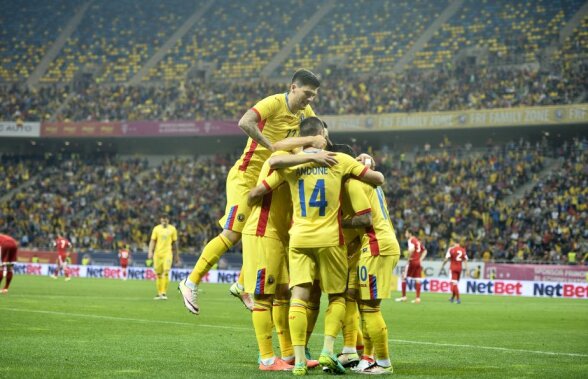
point(414, 269)
point(8, 251)
point(124, 255)
point(63, 246)
point(457, 255)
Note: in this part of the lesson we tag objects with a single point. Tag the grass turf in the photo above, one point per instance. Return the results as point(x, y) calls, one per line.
point(110, 328)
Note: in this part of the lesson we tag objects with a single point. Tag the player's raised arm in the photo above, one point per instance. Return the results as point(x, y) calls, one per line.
point(323, 158)
point(248, 123)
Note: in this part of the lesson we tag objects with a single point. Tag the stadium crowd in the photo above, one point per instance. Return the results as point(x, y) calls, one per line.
point(342, 93)
point(105, 202)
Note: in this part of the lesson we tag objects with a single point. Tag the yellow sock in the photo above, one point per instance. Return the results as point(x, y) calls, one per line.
point(312, 312)
point(359, 345)
point(210, 255)
point(241, 281)
point(376, 328)
point(262, 323)
point(334, 319)
point(298, 322)
point(164, 283)
point(280, 316)
point(368, 346)
point(158, 283)
point(350, 324)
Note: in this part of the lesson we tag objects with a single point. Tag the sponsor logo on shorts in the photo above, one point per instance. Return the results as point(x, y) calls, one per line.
point(270, 280)
point(240, 217)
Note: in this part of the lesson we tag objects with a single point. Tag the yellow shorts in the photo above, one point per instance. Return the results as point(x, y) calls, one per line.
point(237, 211)
point(375, 275)
point(327, 264)
point(162, 263)
point(264, 264)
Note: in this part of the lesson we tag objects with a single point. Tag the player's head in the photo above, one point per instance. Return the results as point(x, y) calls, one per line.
point(342, 148)
point(304, 88)
point(312, 126)
point(326, 135)
point(408, 233)
point(164, 219)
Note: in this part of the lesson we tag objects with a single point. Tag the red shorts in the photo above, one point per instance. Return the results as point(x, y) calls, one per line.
point(62, 259)
point(8, 253)
point(124, 264)
point(414, 271)
point(455, 275)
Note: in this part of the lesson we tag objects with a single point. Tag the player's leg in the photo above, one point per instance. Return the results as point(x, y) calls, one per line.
point(237, 289)
point(405, 275)
point(280, 309)
point(236, 213)
point(65, 269)
point(158, 269)
point(302, 263)
point(455, 275)
point(333, 265)
point(375, 280)
point(417, 284)
point(167, 265)
point(9, 274)
point(349, 356)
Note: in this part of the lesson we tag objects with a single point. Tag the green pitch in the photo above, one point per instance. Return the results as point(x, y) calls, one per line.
point(103, 328)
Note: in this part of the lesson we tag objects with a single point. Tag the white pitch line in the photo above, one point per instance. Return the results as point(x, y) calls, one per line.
point(316, 334)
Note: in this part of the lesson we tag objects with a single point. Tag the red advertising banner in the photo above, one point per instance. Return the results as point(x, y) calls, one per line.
point(180, 128)
point(81, 129)
point(545, 273)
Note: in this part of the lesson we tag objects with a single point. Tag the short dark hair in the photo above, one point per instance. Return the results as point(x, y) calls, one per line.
point(343, 148)
point(304, 77)
point(312, 126)
point(164, 215)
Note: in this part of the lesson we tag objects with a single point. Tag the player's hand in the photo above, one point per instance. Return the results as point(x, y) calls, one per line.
point(319, 142)
point(325, 158)
point(366, 160)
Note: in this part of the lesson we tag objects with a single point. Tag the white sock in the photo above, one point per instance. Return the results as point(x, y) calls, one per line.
point(384, 362)
point(349, 350)
point(268, 361)
point(190, 284)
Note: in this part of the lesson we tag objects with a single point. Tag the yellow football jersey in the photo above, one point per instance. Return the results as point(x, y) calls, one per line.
point(272, 217)
point(276, 123)
point(164, 237)
point(351, 206)
point(316, 199)
point(380, 238)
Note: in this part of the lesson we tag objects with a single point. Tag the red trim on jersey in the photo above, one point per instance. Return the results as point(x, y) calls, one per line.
point(251, 151)
point(362, 173)
point(264, 215)
point(267, 186)
point(258, 114)
point(363, 212)
point(374, 246)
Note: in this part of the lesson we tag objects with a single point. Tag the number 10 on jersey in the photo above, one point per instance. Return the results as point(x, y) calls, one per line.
point(318, 197)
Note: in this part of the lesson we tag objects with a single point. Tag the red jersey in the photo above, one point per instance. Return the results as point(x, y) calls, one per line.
point(62, 244)
point(416, 249)
point(7, 241)
point(457, 254)
point(124, 256)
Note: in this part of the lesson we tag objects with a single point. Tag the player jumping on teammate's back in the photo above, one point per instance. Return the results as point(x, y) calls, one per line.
point(413, 269)
point(269, 124)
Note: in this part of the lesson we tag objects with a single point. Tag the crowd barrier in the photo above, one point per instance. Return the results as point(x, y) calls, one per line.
point(432, 285)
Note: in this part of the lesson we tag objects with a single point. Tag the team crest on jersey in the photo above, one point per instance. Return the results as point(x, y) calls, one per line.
point(240, 217)
point(270, 279)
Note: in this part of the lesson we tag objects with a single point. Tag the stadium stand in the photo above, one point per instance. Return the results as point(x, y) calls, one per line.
point(367, 35)
point(512, 31)
point(26, 33)
point(116, 38)
point(104, 202)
